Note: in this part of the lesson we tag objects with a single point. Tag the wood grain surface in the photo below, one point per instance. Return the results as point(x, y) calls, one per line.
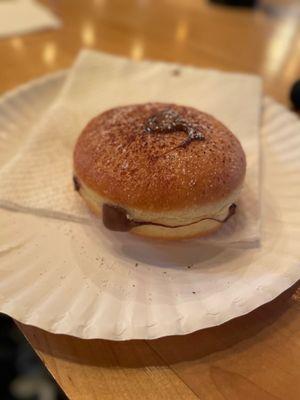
point(254, 357)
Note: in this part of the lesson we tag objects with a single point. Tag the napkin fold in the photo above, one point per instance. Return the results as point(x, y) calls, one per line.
point(39, 178)
point(23, 16)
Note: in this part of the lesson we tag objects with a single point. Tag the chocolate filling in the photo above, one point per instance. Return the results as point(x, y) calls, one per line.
point(76, 183)
point(168, 121)
point(116, 219)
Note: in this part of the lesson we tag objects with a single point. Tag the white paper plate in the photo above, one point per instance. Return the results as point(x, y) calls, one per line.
point(68, 278)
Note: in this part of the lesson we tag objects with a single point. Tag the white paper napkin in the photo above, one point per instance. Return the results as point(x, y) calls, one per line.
point(22, 16)
point(39, 178)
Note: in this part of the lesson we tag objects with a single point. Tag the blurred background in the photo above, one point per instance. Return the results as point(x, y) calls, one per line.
point(256, 36)
point(22, 375)
point(40, 37)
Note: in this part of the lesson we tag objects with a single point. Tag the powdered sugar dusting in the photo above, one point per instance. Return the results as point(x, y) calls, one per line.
point(115, 156)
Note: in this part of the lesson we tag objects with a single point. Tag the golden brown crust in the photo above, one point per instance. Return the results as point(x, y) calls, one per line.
point(116, 158)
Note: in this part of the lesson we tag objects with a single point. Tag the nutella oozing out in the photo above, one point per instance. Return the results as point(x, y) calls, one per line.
point(116, 218)
point(76, 183)
point(168, 121)
point(162, 158)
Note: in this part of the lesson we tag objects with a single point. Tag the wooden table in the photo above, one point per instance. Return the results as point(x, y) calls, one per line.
point(253, 357)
